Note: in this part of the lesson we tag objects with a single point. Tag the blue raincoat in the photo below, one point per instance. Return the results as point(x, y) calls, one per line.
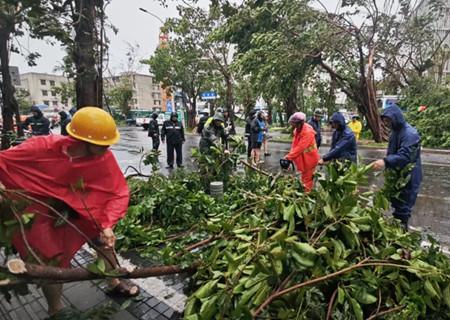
point(343, 142)
point(403, 149)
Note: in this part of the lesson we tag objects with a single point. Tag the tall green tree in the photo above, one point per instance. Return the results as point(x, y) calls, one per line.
point(387, 38)
point(120, 94)
point(272, 40)
point(180, 64)
point(39, 18)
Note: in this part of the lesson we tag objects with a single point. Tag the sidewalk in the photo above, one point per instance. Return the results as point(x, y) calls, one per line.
point(86, 296)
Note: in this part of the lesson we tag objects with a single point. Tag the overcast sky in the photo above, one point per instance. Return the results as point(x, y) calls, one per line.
point(135, 27)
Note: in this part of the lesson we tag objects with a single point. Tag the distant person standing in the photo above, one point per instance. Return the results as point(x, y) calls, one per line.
point(343, 142)
point(257, 129)
point(403, 150)
point(248, 131)
point(153, 131)
point(40, 125)
point(266, 135)
point(356, 126)
point(315, 123)
point(173, 130)
point(64, 120)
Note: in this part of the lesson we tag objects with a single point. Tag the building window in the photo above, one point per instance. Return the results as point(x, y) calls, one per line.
point(157, 102)
point(134, 101)
point(52, 83)
point(44, 92)
point(53, 94)
point(43, 82)
point(47, 102)
point(55, 103)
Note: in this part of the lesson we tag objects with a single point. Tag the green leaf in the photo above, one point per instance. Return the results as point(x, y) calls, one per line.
point(340, 295)
point(101, 265)
point(328, 212)
point(357, 310)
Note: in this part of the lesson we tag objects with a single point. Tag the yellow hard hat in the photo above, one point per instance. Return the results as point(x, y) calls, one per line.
point(93, 125)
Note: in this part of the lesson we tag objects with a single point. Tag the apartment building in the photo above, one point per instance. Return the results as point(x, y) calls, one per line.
point(41, 87)
point(147, 94)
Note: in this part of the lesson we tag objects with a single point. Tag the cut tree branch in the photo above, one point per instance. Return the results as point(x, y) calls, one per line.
point(30, 272)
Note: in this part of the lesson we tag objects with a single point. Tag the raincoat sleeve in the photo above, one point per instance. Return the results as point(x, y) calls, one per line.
point(407, 153)
point(342, 145)
point(115, 209)
point(300, 146)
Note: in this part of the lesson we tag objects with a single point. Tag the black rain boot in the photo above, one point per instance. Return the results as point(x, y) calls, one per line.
point(403, 222)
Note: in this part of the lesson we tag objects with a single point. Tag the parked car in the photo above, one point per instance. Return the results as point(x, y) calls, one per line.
point(139, 118)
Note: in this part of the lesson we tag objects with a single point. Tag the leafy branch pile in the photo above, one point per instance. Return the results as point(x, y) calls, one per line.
point(268, 250)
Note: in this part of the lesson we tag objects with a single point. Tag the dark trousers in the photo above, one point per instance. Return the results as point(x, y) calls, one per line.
point(177, 147)
point(249, 147)
point(155, 142)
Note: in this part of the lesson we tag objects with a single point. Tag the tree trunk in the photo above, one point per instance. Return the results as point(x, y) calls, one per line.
point(370, 99)
point(229, 102)
point(10, 106)
point(88, 81)
point(191, 112)
point(269, 112)
point(291, 103)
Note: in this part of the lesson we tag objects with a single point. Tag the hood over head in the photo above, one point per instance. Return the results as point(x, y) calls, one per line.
point(63, 115)
point(338, 118)
point(36, 109)
point(395, 114)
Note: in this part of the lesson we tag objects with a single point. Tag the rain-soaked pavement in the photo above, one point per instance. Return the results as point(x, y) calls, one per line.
point(432, 210)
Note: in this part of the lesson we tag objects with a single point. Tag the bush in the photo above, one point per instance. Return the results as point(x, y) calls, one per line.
point(433, 124)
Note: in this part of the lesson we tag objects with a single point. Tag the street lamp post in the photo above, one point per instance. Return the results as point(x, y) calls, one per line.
point(152, 14)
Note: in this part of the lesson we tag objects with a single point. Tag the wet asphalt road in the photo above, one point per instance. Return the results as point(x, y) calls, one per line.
point(432, 210)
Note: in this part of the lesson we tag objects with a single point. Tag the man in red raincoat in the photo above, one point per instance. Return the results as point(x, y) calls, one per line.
point(79, 172)
point(304, 151)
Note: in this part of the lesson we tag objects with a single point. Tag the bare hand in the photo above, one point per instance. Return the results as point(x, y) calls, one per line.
point(2, 189)
point(227, 152)
point(378, 165)
point(108, 238)
point(321, 162)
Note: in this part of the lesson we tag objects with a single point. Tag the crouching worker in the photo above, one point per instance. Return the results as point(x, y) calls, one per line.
point(304, 151)
point(76, 172)
point(213, 133)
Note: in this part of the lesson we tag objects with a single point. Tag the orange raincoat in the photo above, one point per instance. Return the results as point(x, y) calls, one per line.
point(304, 154)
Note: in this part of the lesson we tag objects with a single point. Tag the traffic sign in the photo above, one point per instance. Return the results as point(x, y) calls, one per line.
point(209, 95)
point(169, 106)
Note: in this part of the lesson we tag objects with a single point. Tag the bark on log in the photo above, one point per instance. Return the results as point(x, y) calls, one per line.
point(38, 272)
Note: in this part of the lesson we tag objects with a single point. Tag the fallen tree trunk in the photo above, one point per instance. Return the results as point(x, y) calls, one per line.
point(27, 271)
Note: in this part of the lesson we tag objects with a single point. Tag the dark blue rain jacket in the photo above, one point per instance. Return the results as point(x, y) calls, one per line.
point(403, 149)
point(343, 142)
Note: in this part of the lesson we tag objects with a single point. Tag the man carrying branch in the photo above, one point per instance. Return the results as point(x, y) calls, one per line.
point(79, 177)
